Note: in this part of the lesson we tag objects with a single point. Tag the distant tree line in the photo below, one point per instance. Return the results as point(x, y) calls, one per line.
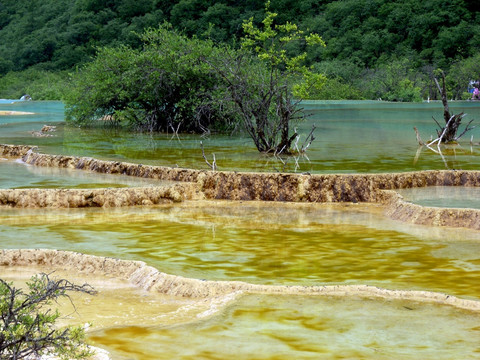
point(375, 48)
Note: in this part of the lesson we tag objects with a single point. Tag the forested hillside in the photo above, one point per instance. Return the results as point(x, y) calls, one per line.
point(372, 45)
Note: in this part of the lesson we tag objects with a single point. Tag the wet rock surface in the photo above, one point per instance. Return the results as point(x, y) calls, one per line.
point(398, 209)
point(151, 279)
point(198, 184)
point(111, 197)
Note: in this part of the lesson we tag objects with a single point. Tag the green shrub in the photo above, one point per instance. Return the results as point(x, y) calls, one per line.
point(165, 86)
point(27, 323)
point(39, 84)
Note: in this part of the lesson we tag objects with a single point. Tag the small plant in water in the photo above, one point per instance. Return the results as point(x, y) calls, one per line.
point(27, 324)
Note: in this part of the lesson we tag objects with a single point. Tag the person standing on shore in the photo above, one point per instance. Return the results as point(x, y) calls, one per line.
point(476, 94)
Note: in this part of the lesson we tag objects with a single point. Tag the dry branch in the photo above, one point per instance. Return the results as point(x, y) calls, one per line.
point(213, 165)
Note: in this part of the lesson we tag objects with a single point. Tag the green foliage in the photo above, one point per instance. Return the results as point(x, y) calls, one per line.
point(39, 84)
point(392, 81)
point(460, 74)
point(437, 31)
point(335, 89)
point(266, 102)
point(27, 326)
point(361, 34)
point(177, 83)
point(164, 86)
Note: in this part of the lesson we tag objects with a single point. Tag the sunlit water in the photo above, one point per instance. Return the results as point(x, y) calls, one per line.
point(276, 244)
point(280, 327)
point(134, 324)
point(289, 244)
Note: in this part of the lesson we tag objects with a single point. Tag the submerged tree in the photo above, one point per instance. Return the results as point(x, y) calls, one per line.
point(27, 324)
point(267, 90)
point(448, 133)
point(445, 134)
point(191, 85)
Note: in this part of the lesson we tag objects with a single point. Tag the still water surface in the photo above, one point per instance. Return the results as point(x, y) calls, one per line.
point(443, 196)
point(281, 327)
point(351, 136)
point(301, 244)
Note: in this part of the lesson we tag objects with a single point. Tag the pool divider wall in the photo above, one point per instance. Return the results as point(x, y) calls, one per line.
point(151, 279)
point(15, 150)
point(110, 197)
point(399, 209)
point(262, 186)
point(199, 184)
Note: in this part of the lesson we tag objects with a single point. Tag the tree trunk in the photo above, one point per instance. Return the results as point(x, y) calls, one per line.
point(452, 122)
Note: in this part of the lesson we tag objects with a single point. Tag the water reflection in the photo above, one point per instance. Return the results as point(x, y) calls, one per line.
point(303, 244)
point(351, 136)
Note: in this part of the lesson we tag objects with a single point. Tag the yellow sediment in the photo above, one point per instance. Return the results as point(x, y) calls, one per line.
point(151, 279)
point(9, 113)
point(200, 184)
point(110, 197)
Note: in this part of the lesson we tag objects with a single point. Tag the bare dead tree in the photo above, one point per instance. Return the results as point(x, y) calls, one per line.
point(212, 165)
point(448, 133)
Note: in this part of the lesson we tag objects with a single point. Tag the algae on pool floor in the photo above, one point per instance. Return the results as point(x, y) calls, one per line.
point(307, 327)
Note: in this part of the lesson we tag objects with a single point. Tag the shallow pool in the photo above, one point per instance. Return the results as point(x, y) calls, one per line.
point(18, 175)
point(443, 196)
point(285, 244)
point(351, 137)
point(281, 327)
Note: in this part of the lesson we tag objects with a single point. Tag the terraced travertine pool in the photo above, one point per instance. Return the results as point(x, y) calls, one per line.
point(286, 244)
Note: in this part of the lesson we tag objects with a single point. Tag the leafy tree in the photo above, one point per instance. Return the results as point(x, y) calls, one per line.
point(27, 324)
point(265, 98)
point(392, 81)
point(62, 34)
point(162, 87)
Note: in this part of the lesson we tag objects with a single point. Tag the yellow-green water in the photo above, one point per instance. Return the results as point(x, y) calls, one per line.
point(272, 244)
point(287, 244)
point(351, 136)
point(281, 327)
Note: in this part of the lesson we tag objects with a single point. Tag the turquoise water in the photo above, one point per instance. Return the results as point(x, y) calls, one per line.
point(289, 244)
point(443, 196)
point(18, 175)
point(351, 137)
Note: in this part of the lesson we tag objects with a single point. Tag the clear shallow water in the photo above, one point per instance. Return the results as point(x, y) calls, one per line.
point(270, 244)
point(17, 175)
point(281, 327)
point(134, 324)
point(352, 136)
point(117, 302)
point(443, 196)
point(265, 244)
